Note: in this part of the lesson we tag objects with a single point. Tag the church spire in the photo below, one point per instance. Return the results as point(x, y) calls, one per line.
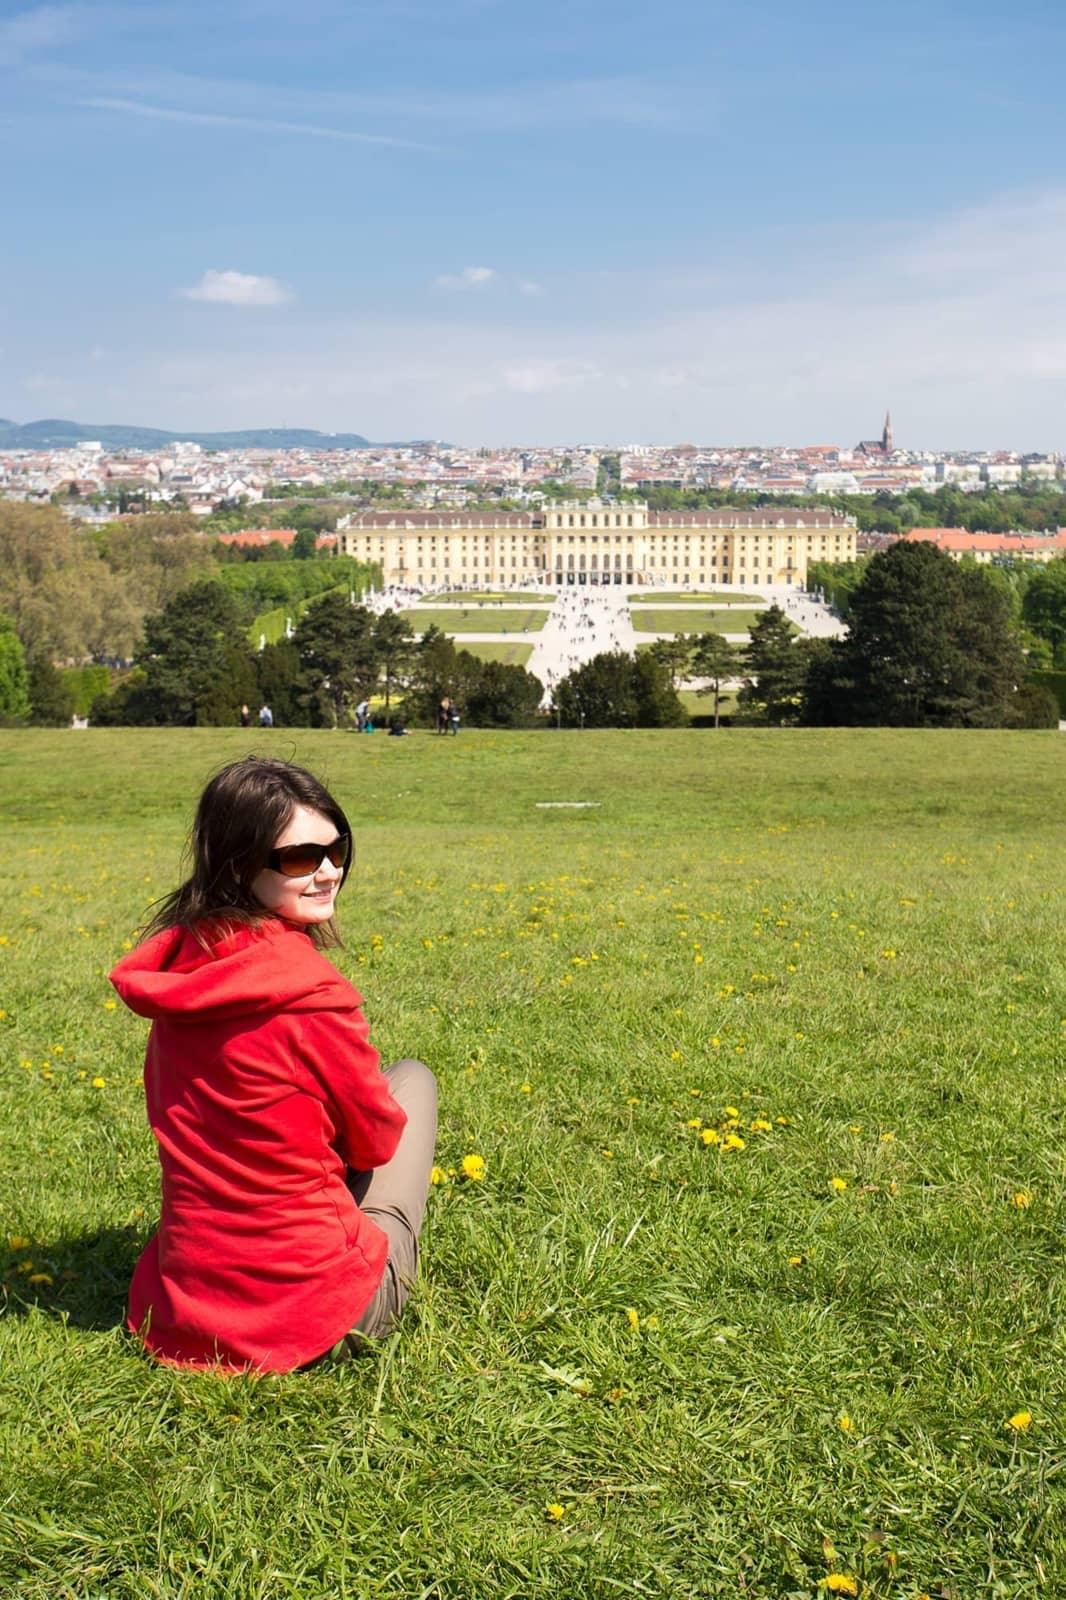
point(886, 437)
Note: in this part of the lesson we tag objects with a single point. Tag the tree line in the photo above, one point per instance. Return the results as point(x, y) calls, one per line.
point(196, 668)
point(930, 643)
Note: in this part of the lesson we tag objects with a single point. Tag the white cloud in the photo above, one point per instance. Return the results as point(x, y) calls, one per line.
point(238, 289)
point(220, 119)
point(40, 29)
point(537, 376)
point(469, 278)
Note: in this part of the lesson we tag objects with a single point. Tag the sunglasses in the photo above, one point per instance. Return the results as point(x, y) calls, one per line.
point(301, 860)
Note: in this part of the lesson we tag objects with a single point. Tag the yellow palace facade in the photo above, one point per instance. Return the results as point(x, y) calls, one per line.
point(570, 542)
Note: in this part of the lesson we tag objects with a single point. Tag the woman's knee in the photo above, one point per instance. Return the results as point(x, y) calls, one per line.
point(412, 1082)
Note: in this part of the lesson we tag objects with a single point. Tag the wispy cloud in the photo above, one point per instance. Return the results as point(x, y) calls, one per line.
point(469, 278)
point(221, 119)
point(31, 32)
point(238, 289)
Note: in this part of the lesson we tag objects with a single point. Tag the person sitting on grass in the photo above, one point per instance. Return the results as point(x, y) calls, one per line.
point(295, 1171)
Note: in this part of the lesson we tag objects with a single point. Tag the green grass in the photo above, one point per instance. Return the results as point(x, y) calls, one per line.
point(714, 597)
point(857, 932)
point(648, 619)
point(496, 596)
point(271, 624)
point(516, 655)
point(472, 620)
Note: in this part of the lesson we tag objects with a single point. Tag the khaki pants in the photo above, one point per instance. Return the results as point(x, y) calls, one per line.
point(394, 1196)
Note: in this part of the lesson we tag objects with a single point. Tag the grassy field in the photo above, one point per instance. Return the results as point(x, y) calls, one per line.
point(714, 597)
point(648, 619)
point(491, 596)
point(472, 620)
point(760, 1293)
point(514, 655)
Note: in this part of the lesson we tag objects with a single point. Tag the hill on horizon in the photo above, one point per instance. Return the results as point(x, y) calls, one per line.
point(53, 433)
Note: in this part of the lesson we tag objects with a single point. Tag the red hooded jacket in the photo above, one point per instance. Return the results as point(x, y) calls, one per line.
point(262, 1090)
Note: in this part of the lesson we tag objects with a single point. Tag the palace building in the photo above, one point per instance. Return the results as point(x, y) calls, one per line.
point(588, 542)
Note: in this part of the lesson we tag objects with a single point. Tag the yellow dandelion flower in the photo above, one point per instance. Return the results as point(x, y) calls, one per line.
point(886, 1138)
point(711, 1136)
point(730, 1111)
point(675, 1055)
point(716, 1043)
point(632, 1317)
point(99, 1083)
point(109, 1005)
point(41, 1277)
point(844, 1423)
point(694, 1122)
point(795, 1261)
point(608, 1155)
point(437, 1175)
point(840, 1583)
point(632, 1100)
point(732, 1141)
point(554, 1511)
point(473, 1168)
point(838, 1184)
point(760, 1125)
point(18, 1241)
point(525, 1088)
point(57, 1049)
point(1020, 1421)
point(651, 1322)
point(1022, 1199)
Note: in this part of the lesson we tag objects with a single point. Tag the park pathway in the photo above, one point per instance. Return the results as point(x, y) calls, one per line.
point(583, 622)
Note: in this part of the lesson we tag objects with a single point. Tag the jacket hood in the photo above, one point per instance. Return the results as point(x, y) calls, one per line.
point(253, 969)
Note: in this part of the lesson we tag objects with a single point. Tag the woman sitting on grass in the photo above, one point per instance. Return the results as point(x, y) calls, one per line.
point(295, 1172)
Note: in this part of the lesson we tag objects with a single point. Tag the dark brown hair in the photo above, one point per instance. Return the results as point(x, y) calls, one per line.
point(241, 815)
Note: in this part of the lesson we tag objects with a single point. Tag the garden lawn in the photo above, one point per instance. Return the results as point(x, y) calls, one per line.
point(471, 619)
point(512, 655)
point(760, 1291)
point(494, 596)
point(650, 619)
point(714, 597)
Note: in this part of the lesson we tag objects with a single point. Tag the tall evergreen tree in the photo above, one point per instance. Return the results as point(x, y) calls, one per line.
point(198, 667)
point(774, 670)
point(714, 658)
point(336, 644)
point(930, 644)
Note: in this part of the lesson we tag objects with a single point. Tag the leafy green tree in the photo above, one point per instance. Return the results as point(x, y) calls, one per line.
point(497, 694)
point(656, 698)
point(281, 684)
point(714, 658)
point(394, 642)
point(930, 643)
point(14, 679)
point(198, 668)
point(615, 691)
point(431, 675)
point(774, 671)
point(598, 694)
point(305, 544)
point(336, 644)
point(674, 654)
point(1044, 606)
point(51, 695)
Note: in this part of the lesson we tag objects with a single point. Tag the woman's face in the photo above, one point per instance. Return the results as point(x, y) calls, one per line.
point(301, 900)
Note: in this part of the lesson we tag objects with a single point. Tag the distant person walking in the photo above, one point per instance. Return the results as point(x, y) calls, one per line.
point(362, 716)
point(453, 718)
point(266, 717)
point(246, 717)
point(444, 715)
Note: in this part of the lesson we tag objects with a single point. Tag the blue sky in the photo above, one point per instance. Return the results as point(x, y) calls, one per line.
point(493, 221)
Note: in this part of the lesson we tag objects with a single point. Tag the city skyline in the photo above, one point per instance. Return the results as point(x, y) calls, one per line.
point(465, 223)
